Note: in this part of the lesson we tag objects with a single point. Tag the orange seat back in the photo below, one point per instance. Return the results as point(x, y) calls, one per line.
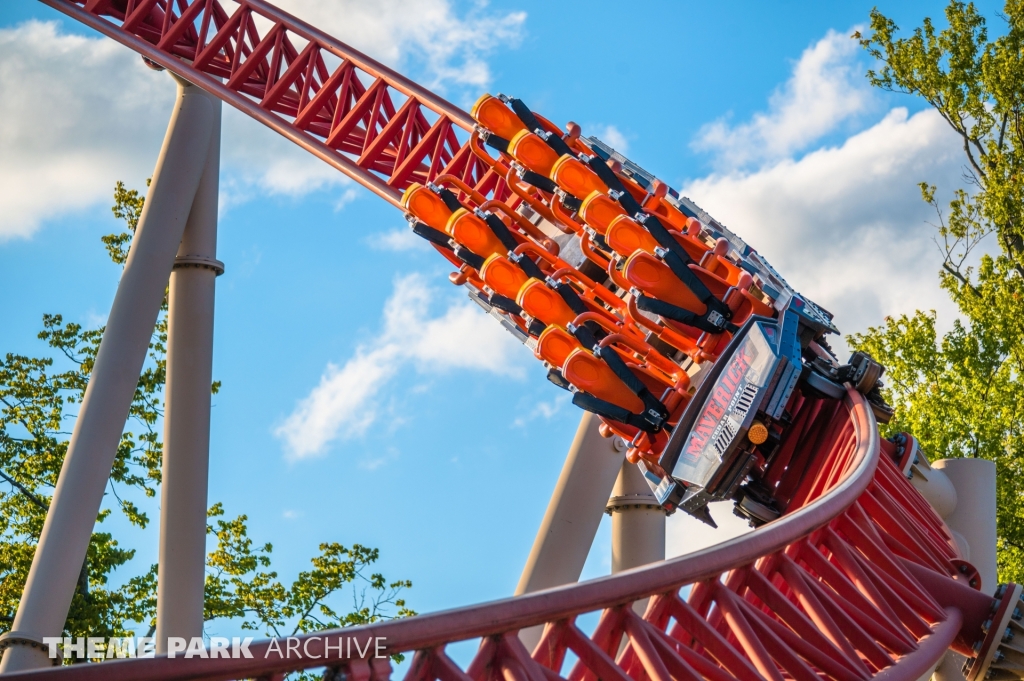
point(625, 237)
point(693, 245)
point(599, 209)
point(590, 374)
point(719, 287)
point(667, 213)
point(426, 206)
point(743, 305)
point(492, 113)
point(555, 345)
point(473, 233)
point(713, 344)
point(687, 336)
point(543, 303)
point(654, 278)
point(503, 276)
point(574, 177)
point(722, 268)
point(533, 152)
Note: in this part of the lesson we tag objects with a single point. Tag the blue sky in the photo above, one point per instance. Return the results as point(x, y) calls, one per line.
point(432, 435)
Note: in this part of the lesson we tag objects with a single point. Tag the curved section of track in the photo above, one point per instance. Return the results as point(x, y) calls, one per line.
point(858, 582)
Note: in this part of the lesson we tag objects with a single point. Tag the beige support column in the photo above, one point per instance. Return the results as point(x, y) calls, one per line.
point(574, 514)
point(183, 496)
point(974, 516)
point(101, 419)
point(933, 484)
point(638, 521)
point(638, 525)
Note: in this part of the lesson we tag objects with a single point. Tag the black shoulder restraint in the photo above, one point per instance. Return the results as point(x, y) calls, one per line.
point(448, 196)
point(495, 142)
point(434, 236)
point(505, 304)
point(499, 229)
point(682, 315)
point(654, 410)
point(654, 413)
point(530, 121)
point(614, 412)
point(442, 240)
point(539, 181)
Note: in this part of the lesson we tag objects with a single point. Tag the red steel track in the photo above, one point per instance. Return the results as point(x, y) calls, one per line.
point(859, 579)
point(854, 584)
point(366, 120)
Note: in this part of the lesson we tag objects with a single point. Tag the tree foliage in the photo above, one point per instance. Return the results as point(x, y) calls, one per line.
point(38, 397)
point(962, 393)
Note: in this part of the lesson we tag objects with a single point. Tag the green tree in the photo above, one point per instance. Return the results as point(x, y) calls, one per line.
point(962, 393)
point(37, 403)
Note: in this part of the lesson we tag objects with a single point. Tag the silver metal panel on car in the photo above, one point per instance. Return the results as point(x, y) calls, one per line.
point(728, 409)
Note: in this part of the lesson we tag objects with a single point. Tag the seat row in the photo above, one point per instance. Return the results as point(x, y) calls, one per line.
point(654, 299)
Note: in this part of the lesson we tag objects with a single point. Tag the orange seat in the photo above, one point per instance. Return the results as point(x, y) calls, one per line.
point(721, 267)
point(654, 382)
point(688, 335)
point(654, 278)
point(492, 113)
point(555, 345)
point(473, 233)
point(625, 237)
point(503, 276)
point(743, 305)
point(719, 287)
point(573, 176)
point(693, 245)
point(713, 344)
point(533, 152)
point(426, 206)
point(666, 212)
point(543, 303)
point(590, 374)
point(598, 210)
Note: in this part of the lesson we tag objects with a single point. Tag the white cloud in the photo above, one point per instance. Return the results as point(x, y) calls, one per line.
point(447, 48)
point(612, 136)
point(341, 403)
point(846, 225)
point(685, 534)
point(291, 514)
point(257, 161)
point(80, 113)
point(374, 463)
point(543, 410)
point(345, 403)
point(397, 240)
point(826, 88)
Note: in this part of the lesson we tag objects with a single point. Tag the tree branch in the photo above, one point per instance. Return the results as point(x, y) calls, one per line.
point(21, 488)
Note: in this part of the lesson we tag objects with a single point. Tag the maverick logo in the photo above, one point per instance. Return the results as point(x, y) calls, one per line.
point(718, 404)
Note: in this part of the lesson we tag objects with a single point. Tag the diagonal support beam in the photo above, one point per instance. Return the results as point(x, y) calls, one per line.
point(573, 515)
point(83, 478)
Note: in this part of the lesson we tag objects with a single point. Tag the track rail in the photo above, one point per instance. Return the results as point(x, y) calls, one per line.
point(368, 121)
point(857, 583)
